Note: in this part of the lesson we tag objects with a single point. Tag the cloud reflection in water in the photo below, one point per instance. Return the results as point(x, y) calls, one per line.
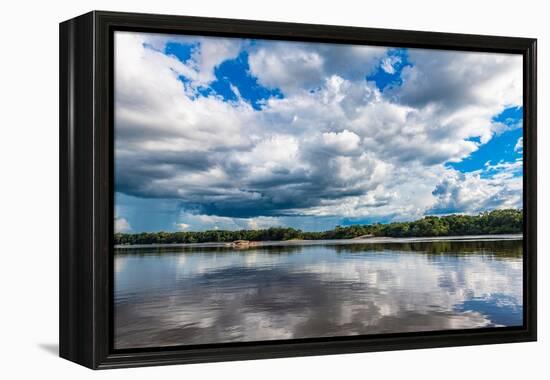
point(198, 296)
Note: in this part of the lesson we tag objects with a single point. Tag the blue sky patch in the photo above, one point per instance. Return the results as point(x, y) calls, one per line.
point(236, 72)
point(500, 308)
point(500, 148)
point(148, 214)
point(510, 116)
point(181, 51)
point(388, 72)
point(232, 77)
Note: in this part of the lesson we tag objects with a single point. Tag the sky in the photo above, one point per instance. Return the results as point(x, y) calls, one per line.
point(230, 133)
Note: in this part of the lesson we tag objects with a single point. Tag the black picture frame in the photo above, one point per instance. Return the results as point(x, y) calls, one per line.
point(86, 188)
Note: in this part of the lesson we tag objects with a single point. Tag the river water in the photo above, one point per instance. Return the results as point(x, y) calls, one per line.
point(168, 296)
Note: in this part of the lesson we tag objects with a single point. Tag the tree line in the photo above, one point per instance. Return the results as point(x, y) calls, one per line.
point(490, 222)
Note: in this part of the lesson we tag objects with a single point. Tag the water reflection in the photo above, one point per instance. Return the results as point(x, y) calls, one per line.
point(203, 295)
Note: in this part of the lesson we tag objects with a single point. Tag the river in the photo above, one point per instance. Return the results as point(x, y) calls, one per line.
point(187, 295)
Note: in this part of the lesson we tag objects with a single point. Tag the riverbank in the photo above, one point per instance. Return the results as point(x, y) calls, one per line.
point(370, 240)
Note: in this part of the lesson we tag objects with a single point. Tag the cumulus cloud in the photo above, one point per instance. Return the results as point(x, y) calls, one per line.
point(334, 145)
point(206, 54)
point(343, 143)
point(496, 186)
point(196, 222)
point(458, 79)
point(297, 67)
point(463, 91)
point(122, 225)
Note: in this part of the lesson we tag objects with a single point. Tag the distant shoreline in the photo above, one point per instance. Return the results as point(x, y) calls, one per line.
point(370, 240)
point(496, 222)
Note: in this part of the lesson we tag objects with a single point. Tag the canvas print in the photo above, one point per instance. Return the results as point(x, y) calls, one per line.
point(272, 190)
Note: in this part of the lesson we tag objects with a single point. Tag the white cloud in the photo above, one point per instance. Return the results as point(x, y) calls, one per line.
point(463, 90)
point(212, 52)
point(122, 225)
point(207, 53)
point(198, 222)
point(505, 170)
point(288, 69)
point(519, 145)
point(388, 64)
point(496, 186)
point(183, 226)
point(462, 79)
point(344, 142)
point(297, 67)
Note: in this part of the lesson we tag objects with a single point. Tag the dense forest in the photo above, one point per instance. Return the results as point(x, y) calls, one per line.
point(493, 222)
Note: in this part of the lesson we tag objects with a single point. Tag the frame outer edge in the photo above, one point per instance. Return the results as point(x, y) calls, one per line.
point(103, 216)
point(530, 89)
point(66, 326)
point(76, 305)
point(85, 174)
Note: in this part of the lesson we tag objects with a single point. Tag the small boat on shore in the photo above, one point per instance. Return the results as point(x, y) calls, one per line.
point(241, 244)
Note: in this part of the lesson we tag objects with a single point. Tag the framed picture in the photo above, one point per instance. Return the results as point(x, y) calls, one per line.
point(236, 189)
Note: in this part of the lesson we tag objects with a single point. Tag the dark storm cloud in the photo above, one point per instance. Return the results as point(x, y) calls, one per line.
point(240, 192)
point(137, 173)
